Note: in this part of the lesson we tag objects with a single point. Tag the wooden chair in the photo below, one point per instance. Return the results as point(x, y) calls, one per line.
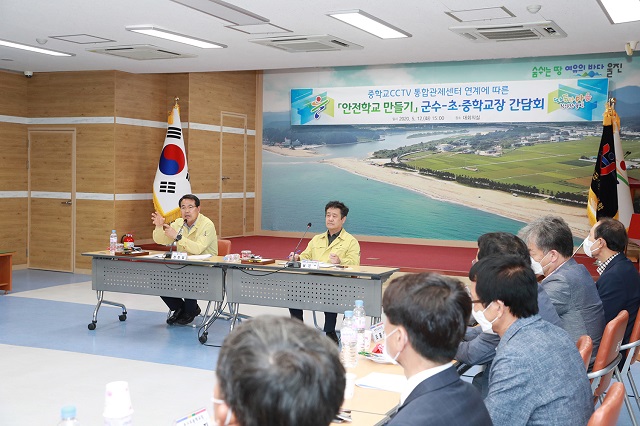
point(585, 347)
point(607, 414)
point(607, 359)
point(632, 352)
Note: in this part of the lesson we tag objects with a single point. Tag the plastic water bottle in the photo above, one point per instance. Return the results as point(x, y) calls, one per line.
point(68, 416)
point(360, 323)
point(348, 337)
point(113, 242)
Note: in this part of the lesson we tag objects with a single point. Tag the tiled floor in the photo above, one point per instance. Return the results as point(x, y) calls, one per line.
point(50, 358)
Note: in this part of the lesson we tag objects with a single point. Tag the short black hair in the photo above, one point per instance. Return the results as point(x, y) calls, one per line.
point(434, 310)
point(549, 233)
point(189, 197)
point(344, 210)
point(613, 233)
point(507, 278)
point(493, 243)
point(275, 371)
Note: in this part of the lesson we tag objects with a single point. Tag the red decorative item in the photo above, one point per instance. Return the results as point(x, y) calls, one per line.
point(128, 242)
point(377, 349)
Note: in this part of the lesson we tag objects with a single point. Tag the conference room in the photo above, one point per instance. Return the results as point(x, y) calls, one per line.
point(432, 137)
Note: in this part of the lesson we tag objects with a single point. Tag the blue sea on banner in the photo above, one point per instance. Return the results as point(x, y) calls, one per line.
point(295, 191)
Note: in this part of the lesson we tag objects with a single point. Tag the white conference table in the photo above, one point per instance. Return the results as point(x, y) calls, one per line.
point(213, 279)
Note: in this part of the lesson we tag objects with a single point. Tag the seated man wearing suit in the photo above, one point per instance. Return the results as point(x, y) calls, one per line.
point(275, 371)
point(568, 284)
point(197, 236)
point(335, 246)
point(619, 282)
point(478, 346)
point(426, 318)
point(537, 376)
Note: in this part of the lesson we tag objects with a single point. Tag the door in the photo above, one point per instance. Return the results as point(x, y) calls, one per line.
point(233, 172)
point(51, 197)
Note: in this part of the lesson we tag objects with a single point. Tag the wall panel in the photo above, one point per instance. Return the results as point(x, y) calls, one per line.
point(13, 157)
point(212, 93)
point(134, 216)
point(14, 94)
point(137, 150)
point(14, 237)
point(203, 156)
point(94, 221)
point(141, 96)
point(72, 94)
point(95, 158)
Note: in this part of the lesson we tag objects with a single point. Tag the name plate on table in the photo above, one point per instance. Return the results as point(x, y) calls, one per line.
point(132, 253)
point(257, 261)
point(310, 264)
point(178, 255)
point(199, 418)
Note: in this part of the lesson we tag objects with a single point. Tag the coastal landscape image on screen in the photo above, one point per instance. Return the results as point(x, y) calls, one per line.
point(442, 181)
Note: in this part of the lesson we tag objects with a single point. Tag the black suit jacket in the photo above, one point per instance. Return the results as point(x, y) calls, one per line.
point(442, 400)
point(619, 288)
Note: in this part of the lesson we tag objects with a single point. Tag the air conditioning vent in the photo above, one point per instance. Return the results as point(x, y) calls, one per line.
point(316, 43)
point(546, 30)
point(140, 52)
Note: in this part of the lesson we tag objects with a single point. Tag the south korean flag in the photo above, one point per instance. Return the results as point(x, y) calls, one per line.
point(172, 175)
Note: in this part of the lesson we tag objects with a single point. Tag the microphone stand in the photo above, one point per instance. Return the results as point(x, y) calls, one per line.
point(293, 263)
point(178, 238)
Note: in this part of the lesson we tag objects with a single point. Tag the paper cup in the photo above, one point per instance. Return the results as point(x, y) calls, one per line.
point(367, 339)
point(117, 402)
point(350, 385)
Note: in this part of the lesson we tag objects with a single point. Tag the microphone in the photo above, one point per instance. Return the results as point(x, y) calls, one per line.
point(178, 238)
point(293, 263)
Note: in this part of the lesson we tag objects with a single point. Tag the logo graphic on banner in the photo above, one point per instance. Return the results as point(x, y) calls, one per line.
point(609, 194)
point(308, 108)
point(172, 175)
point(486, 102)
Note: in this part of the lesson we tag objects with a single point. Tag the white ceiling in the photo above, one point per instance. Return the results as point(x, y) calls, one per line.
point(24, 21)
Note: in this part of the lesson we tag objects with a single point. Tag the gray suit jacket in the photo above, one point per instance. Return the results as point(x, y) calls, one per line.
point(575, 296)
point(538, 378)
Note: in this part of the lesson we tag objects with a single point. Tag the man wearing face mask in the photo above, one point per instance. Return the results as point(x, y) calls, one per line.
point(479, 344)
point(538, 376)
point(426, 318)
point(568, 284)
point(619, 282)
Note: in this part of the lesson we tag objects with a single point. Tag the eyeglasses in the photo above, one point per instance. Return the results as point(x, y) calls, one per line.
point(187, 207)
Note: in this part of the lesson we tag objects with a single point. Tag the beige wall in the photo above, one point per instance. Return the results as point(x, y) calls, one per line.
point(118, 160)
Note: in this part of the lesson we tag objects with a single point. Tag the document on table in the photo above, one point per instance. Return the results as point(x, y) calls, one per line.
point(383, 381)
point(198, 256)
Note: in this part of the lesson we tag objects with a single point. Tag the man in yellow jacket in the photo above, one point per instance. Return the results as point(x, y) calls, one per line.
point(335, 246)
point(197, 236)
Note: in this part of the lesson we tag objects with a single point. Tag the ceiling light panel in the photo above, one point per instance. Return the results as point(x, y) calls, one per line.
point(225, 11)
point(480, 14)
point(620, 11)
point(369, 23)
point(82, 39)
point(21, 46)
point(170, 35)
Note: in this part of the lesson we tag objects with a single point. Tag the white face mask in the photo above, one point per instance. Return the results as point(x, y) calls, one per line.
point(385, 354)
point(587, 247)
point(537, 267)
point(487, 326)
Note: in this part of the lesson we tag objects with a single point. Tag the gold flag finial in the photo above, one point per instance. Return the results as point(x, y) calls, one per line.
point(177, 99)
